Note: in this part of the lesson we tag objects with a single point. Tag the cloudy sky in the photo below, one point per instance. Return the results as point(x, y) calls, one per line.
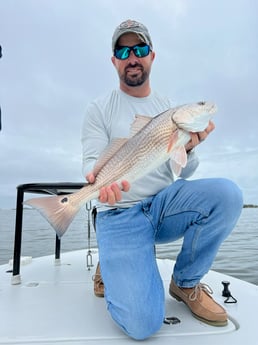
point(56, 59)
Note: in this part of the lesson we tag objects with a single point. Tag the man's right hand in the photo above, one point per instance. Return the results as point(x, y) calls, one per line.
point(110, 194)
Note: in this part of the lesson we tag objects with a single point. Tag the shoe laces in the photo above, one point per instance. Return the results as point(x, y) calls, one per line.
point(97, 279)
point(198, 290)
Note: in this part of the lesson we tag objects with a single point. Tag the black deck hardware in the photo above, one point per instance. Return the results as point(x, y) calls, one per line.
point(171, 320)
point(52, 188)
point(226, 293)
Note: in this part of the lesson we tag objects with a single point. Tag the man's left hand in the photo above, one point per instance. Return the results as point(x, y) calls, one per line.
point(198, 137)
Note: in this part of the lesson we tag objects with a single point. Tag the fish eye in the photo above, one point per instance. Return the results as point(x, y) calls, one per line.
point(201, 103)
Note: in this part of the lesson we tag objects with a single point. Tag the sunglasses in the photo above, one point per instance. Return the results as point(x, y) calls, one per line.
point(140, 50)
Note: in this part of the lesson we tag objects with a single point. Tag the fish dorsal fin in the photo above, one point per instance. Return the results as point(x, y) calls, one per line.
point(139, 122)
point(108, 153)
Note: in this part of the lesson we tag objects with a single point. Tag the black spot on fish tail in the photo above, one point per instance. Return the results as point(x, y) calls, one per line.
point(57, 210)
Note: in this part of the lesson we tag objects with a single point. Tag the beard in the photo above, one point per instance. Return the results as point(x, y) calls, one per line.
point(134, 79)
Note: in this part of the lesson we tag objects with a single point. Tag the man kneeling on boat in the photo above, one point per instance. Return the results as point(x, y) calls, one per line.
point(132, 218)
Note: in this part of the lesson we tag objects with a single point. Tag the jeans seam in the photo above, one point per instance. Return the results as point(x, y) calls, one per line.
point(148, 215)
point(195, 242)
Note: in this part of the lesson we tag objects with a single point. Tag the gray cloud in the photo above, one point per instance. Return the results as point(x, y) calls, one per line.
point(56, 58)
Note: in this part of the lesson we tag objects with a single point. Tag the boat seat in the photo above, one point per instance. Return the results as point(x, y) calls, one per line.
point(52, 188)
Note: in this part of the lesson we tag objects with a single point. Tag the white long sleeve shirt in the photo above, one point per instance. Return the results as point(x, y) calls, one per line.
point(110, 117)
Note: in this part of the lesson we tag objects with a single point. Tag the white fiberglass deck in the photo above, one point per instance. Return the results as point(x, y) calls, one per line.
point(55, 304)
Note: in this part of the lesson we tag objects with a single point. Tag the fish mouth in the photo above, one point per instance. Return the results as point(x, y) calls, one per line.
point(213, 108)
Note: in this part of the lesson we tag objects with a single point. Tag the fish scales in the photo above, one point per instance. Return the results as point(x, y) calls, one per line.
point(136, 155)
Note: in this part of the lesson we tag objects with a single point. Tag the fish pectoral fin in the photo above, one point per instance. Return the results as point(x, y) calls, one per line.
point(172, 140)
point(108, 153)
point(176, 168)
point(178, 159)
point(139, 122)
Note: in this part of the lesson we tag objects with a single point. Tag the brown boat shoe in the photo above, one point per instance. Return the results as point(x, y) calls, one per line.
point(200, 302)
point(98, 283)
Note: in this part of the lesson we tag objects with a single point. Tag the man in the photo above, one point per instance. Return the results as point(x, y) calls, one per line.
point(154, 209)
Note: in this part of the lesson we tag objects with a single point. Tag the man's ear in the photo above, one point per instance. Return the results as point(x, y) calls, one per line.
point(153, 54)
point(113, 59)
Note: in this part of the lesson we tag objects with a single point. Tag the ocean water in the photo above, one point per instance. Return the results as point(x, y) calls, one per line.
point(238, 255)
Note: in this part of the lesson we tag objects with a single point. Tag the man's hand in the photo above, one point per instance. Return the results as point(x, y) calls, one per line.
point(198, 137)
point(110, 194)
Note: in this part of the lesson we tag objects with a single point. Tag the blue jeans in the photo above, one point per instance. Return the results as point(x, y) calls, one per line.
point(203, 212)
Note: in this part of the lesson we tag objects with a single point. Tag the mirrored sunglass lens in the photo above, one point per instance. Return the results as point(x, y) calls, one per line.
point(122, 53)
point(141, 51)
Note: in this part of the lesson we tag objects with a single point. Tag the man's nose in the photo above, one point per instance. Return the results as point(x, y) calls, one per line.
point(132, 58)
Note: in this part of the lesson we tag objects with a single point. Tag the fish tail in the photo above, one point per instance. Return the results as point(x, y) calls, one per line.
point(59, 211)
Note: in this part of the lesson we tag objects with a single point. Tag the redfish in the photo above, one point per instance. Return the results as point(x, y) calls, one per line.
point(153, 141)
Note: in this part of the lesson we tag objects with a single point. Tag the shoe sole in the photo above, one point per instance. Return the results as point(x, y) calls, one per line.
point(209, 322)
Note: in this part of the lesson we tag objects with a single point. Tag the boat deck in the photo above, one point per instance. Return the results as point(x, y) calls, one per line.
point(55, 304)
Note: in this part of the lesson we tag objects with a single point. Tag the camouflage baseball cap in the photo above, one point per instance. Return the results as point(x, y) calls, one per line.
point(131, 26)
